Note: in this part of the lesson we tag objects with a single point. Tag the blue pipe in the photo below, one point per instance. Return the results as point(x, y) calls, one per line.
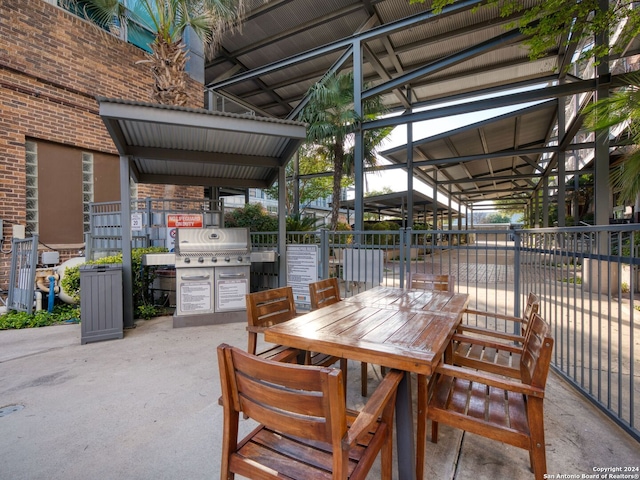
point(52, 292)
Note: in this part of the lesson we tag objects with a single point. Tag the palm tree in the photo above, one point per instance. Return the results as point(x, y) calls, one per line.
point(168, 20)
point(622, 108)
point(332, 119)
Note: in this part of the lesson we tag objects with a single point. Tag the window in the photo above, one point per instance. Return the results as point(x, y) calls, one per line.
point(32, 186)
point(87, 190)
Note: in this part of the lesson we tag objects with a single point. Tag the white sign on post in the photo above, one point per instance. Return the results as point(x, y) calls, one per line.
point(302, 269)
point(136, 222)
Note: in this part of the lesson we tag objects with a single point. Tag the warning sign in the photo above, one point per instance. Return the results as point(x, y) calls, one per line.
point(184, 220)
point(180, 220)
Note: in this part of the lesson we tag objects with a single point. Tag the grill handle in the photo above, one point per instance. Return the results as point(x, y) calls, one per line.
point(232, 275)
point(195, 277)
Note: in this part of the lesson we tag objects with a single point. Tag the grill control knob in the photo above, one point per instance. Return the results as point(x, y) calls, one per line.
point(240, 259)
point(214, 259)
point(200, 260)
point(227, 259)
point(187, 260)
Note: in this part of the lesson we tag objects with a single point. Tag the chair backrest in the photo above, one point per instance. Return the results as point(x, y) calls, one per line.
point(267, 308)
point(532, 307)
point(270, 307)
point(324, 293)
point(430, 281)
point(536, 352)
point(299, 400)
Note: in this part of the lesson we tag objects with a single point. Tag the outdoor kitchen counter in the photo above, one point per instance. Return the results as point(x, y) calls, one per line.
point(169, 258)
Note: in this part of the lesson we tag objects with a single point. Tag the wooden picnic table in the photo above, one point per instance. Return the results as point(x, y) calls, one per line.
point(408, 330)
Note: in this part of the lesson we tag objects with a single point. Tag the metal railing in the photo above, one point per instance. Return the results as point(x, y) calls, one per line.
point(586, 278)
point(22, 276)
point(153, 229)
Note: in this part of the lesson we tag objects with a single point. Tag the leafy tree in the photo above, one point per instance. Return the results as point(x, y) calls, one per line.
point(374, 193)
point(311, 160)
point(497, 217)
point(332, 120)
point(298, 223)
point(512, 206)
point(622, 107)
point(574, 21)
point(252, 216)
point(168, 21)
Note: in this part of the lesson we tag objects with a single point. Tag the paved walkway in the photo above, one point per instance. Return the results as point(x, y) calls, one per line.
point(145, 407)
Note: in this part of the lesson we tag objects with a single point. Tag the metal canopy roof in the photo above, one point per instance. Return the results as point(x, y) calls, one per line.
point(413, 59)
point(186, 146)
point(486, 160)
point(395, 204)
point(456, 52)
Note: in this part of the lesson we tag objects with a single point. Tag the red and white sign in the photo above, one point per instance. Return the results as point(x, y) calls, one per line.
point(184, 220)
point(181, 220)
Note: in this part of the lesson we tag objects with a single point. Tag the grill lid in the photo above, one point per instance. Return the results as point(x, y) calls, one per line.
point(211, 240)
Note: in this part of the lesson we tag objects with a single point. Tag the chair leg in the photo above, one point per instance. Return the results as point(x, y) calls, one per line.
point(422, 427)
point(537, 449)
point(364, 378)
point(434, 432)
point(386, 459)
point(344, 367)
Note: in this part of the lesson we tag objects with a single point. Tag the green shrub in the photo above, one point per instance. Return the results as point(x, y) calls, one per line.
point(252, 216)
point(143, 277)
point(41, 318)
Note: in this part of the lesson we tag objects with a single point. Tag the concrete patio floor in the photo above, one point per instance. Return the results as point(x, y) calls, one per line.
point(145, 407)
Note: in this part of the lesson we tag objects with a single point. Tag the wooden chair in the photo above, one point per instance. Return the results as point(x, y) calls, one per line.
point(324, 293)
point(491, 350)
point(305, 431)
point(430, 281)
point(267, 308)
point(499, 408)
point(271, 307)
point(327, 292)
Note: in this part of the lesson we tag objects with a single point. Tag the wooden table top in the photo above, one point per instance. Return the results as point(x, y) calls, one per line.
point(377, 329)
point(401, 298)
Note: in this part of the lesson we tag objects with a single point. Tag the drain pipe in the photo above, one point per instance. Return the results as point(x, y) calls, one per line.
point(38, 295)
point(52, 292)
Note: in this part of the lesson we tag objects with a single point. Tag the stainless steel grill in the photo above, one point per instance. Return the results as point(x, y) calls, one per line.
point(212, 272)
point(197, 247)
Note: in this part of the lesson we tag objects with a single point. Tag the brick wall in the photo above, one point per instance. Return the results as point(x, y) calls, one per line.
point(52, 66)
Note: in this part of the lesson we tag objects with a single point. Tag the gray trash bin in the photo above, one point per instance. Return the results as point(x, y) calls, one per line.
point(100, 302)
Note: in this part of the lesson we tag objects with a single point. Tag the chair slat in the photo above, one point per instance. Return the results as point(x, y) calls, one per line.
point(298, 401)
point(477, 400)
point(517, 412)
point(459, 396)
point(497, 407)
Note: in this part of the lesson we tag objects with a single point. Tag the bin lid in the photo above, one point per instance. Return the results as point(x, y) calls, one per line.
point(101, 267)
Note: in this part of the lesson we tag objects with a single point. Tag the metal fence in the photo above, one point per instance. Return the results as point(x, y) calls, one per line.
point(22, 276)
point(153, 226)
point(587, 280)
